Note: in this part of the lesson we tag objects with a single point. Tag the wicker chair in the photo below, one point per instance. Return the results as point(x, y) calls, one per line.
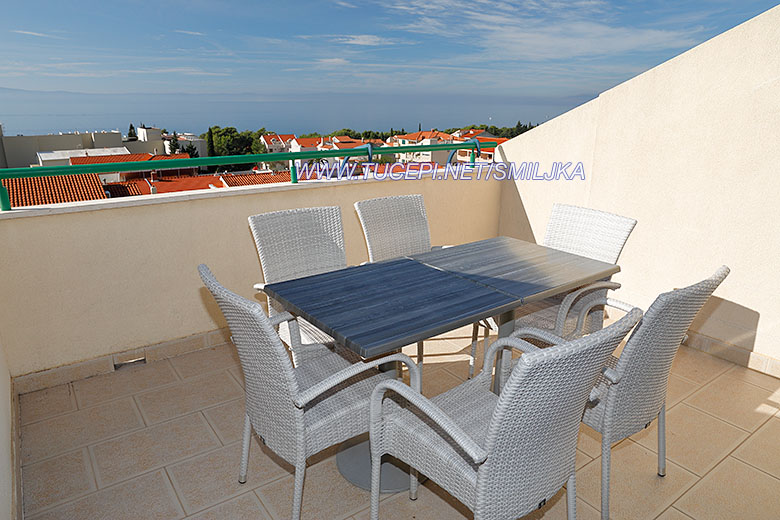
point(398, 226)
point(585, 232)
point(296, 243)
point(296, 411)
point(632, 390)
point(502, 456)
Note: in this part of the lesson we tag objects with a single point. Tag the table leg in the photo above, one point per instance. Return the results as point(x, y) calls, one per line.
point(506, 324)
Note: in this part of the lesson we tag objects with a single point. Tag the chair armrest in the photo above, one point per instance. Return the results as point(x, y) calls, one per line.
point(259, 287)
point(537, 333)
point(276, 319)
point(433, 412)
point(502, 343)
point(568, 301)
point(342, 375)
point(608, 302)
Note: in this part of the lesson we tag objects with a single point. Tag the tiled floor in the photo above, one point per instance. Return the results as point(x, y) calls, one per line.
point(162, 441)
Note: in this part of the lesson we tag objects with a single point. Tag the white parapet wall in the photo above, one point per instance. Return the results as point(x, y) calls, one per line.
point(691, 150)
point(86, 280)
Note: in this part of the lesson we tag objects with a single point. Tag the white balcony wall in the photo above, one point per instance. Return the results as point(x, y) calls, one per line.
point(689, 149)
point(109, 276)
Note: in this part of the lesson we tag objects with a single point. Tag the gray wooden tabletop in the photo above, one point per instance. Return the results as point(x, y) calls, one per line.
point(376, 308)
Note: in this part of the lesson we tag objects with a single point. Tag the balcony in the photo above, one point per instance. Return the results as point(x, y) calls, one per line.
point(90, 285)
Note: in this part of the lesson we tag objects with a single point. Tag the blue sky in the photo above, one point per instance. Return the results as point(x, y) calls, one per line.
point(319, 66)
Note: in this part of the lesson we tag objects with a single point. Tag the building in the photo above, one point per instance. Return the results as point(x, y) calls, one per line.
point(142, 172)
point(184, 140)
point(36, 191)
point(277, 143)
point(470, 133)
point(486, 155)
point(63, 157)
point(423, 138)
point(20, 151)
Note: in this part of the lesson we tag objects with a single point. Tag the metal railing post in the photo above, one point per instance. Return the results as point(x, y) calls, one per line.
point(5, 200)
point(293, 173)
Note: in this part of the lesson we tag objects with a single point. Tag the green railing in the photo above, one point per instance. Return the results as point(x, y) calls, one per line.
point(173, 164)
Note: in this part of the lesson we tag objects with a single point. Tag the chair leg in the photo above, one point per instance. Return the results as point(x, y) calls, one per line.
point(376, 472)
point(606, 452)
point(473, 360)
point(300, 473)
point(571, 497)
point(413, 481)
point(420, 354)
point(662, 441)
point(245, 450)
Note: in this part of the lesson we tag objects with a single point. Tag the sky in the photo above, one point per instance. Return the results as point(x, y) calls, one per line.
point(305, 66)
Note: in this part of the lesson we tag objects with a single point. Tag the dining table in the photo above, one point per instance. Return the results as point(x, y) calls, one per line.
point(377, 308)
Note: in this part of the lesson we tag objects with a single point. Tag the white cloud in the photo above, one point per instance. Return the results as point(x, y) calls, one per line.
point(39, 35)
point(191, 33)
point(363, 39)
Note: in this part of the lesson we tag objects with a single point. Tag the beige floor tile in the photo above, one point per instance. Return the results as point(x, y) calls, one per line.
point(64, 433)
point(188, 396)
point(762, 449)
point(438, 380)
point(237, 374)
point(765, 381)
point(694, 440)
point(733, 490)
point(206, 360)
point(243, 507)
point(432, 503)
point(673, 514)
point(227, 420)
point(636, 490)
point(589, 441)
point(698, 366)
point(124, 457)
point(211, 478)
point(148, 497)
point(56, 480)
point(556, 509)
point(325, 494)
point(581, 459)
point(47, 403)
point(736, 402)
point(124, 381)
point(678, 389)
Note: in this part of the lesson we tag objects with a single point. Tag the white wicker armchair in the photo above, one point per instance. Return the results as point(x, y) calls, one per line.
point(502, 456)
point(586, 232)
point(631, 393)
point(398, 226)
point(296, 243)
point(296, 411)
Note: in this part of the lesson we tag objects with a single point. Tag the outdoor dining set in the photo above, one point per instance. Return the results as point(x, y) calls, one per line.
point(324, 365)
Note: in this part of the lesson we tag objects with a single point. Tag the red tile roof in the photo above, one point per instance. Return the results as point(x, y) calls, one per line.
point(498, 140)
point(429, 134)
point(308, 142)
point(250, 179)
point(133, 157)
point(341, 145)
point(122, 189)
point(471, 132)
point(171, 156)
point(172, 184)
point(103, 159)
point(32, 191)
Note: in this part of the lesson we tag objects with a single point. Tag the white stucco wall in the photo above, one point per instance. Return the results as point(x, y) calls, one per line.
point(689, 149)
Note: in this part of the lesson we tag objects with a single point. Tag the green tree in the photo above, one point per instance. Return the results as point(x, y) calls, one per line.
point(191, 150)
point(210, 149)
point(174, 146)
point(131, 134)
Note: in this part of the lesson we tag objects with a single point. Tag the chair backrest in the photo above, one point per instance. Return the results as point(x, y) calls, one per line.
point(394, 226)
point(588, 232)
point(532, 437)
point(269, 380)
point(299, 242)
point(646, 360)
